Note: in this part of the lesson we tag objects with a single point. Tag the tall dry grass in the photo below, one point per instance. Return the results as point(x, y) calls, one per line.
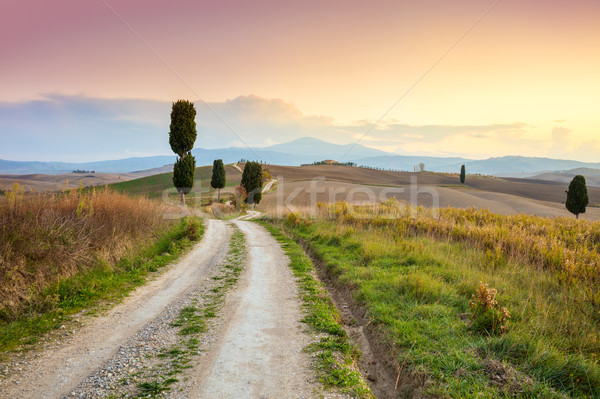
point(567, 246)
point(48, 237)
point(417, 285)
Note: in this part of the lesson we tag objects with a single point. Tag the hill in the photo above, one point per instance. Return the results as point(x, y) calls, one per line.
point(154, 186)
point(307, 150)
point(112, 166)
point(592, 176)
point(319, 149)
point(304, 186)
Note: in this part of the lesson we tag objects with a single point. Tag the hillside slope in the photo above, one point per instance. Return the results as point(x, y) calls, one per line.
point(153, 186)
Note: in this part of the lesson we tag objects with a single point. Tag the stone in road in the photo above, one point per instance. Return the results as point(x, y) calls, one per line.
point(260, 350)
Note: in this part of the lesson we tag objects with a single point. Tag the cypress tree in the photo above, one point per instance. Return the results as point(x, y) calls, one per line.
point(218, 177)
point(462, 174)
point(577, 196)
point(252, 182)
point(182, 135)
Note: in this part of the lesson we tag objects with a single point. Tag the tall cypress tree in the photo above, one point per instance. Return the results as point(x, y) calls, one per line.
point(218, 177)
point(577, 196)
point(252, 182)
point(182, 135)
point(462, 174)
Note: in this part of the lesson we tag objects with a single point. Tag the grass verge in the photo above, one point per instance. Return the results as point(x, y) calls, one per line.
point(337, 356)
point(417, 290)
point(192, 322)
point(101, 284)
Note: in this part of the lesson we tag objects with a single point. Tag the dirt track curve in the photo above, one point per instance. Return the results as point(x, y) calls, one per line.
point(258, 344)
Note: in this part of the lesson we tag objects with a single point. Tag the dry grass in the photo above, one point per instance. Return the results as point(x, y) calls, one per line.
point(569, 247)
point(47, 238)
point(419, 277)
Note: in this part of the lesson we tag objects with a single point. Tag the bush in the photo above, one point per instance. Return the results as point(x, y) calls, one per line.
point(486, 314)
point(192, 229)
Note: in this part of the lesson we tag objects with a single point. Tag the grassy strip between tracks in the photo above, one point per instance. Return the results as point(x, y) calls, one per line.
point(99, 286)
point(337, 356)
point(192, 322)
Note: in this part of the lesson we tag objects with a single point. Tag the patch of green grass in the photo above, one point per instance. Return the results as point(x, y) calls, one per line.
point(337, 356)
point(153, 186)
point(156, 387)
point(191, 322)
point(103, 284)
point(417, 290)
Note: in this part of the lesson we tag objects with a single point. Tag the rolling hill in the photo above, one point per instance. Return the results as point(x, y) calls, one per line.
point(153, 186)
point(592, 176)
point(307, 150)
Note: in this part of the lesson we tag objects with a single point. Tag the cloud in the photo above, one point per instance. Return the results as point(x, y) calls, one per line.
point(80, 128)
point(588, 151)
point(564, 146)
point(445, 140)
point(560, 144)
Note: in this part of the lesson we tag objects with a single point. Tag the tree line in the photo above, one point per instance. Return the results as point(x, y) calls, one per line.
point(182, 135)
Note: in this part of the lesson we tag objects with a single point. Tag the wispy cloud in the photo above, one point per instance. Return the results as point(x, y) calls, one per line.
point(80, 128)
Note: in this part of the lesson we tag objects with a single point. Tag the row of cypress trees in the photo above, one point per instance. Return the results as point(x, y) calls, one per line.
point(182, 135)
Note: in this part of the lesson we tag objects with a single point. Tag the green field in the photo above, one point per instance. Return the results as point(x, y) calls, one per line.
point(154, 186)
point(417, 289)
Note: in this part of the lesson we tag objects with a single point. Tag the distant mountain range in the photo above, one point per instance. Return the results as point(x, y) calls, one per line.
point(308, 150)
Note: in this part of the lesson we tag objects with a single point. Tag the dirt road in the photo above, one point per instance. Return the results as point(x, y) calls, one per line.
point(258, 342)
point(259, 351)
point(57, 372)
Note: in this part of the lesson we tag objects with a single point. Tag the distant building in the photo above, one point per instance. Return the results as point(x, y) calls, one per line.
point(330, 162)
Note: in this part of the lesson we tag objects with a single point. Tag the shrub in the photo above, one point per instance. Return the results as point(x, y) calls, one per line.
point(486, 314)
point(192, 229)
point(239, 198)
point(293, 219)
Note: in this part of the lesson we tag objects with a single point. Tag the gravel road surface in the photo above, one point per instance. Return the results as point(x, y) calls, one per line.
point(259, 351)
point(56, 372)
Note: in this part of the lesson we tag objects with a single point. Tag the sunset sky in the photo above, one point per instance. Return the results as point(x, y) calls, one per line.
point(93, 80)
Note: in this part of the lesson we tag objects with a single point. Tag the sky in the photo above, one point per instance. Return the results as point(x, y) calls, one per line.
point(94, 80)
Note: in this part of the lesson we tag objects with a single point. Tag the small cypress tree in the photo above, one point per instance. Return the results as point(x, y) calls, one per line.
point(182, 135)
point(577, 196)
point(218, 177)
point(252, 182)
point(462, 174)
